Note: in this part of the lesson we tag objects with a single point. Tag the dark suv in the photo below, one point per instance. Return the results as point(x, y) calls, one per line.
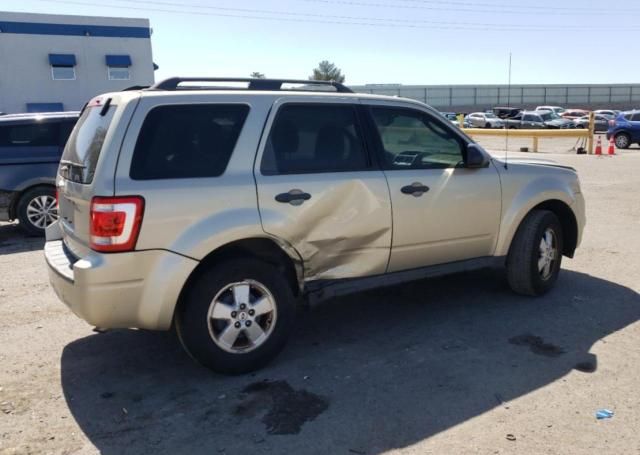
point(30, 149)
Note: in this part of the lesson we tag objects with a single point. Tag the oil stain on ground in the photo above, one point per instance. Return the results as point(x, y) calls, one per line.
point(285, 409)
point(537, 345)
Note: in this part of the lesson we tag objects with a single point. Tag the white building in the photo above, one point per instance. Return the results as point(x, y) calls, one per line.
point(55, 62)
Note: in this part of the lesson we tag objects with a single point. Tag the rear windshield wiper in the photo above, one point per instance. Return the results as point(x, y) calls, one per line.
point(105, 108)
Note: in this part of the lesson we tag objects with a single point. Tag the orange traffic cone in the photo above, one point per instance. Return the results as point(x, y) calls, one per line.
point(599, 146)
point(612, 147)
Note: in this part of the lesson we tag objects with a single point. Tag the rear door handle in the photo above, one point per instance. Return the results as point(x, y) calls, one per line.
point(416, 189)
point(293, 197)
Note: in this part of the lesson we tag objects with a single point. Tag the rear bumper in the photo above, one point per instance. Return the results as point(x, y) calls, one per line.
point(137, 289)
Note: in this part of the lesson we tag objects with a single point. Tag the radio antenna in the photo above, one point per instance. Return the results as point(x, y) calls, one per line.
point(506, 136)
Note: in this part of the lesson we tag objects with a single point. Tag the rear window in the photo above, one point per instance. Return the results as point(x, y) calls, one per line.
point(187, 141)
point(83, 148)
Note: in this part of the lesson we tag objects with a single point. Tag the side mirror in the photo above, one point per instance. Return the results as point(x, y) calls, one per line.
point(476, 157)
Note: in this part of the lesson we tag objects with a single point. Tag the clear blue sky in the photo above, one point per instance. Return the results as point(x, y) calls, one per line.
point(384, 41)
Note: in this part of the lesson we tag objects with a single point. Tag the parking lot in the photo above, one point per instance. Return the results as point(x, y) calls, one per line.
point(451, 365)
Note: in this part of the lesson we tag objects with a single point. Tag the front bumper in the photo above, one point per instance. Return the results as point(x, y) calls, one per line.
point(135, 289)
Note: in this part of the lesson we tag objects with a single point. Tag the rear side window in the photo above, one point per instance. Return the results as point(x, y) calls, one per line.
point(31, 135)
point(314, 138)
point(83, 148)
point(187, 141)
point(636, 117)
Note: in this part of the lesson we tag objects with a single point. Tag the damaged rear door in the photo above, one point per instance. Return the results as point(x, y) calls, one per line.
point(319, 190)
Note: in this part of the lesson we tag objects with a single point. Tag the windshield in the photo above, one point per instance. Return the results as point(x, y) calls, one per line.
point(83, 148)
point(549, 116)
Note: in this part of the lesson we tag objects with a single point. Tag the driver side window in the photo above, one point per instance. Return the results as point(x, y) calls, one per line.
point(413, 140)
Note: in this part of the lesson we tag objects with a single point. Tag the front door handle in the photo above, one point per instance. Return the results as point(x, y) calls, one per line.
point(416, 189)
point(293, 197)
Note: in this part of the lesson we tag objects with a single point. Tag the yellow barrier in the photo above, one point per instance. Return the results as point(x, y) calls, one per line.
point(535, 134)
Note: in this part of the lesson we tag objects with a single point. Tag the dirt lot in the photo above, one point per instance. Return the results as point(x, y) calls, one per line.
point(449, 366)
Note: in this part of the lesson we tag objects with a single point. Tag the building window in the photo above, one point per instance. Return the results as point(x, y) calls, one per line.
point(63, 66)
point(118, 67)
point(118, 74)
point(63, 73)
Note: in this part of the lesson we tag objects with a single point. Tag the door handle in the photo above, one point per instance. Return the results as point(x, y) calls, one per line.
point(293, 197)
point(415, 189)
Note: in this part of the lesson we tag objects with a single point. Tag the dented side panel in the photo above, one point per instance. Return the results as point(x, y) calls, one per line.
point(343, 231)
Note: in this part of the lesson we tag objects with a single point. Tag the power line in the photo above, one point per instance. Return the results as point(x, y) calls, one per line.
point(501, 10)
point(324, 19)
point(349, 18)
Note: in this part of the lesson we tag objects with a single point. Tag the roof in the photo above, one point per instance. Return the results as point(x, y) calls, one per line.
point(38, 116)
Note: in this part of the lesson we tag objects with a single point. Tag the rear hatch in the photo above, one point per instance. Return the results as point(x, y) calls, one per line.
point(87, 167)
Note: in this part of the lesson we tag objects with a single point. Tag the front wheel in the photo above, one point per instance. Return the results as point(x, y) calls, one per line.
point(237, 316)
point(37, 209)
point(535, 255)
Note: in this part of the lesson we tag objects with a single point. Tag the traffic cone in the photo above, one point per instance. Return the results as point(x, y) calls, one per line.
point(599, 146)
point(612, 147)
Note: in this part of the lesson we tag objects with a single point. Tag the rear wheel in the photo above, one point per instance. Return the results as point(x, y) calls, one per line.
point(622, 140)
point(487, 125)
point(237, 316)
point(37, 209)
point(535, 255)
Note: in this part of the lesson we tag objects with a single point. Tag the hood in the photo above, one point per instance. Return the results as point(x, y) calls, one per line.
point(532, 162)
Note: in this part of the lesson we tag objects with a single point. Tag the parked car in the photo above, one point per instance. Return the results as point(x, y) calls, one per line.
point(555, 109)
point(625, 129)
point(601, 122)
point(30, 149)
point(484, 120)
point(453, 118)
point(571, 114)
point(215, 212)
point(537, 120)
point(613, 113)
point(506, 112)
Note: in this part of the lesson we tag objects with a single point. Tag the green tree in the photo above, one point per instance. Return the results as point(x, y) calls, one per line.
point(257, 75)
point(327, 71)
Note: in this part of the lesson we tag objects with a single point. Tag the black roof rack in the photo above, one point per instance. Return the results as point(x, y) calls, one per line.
point(173, 83)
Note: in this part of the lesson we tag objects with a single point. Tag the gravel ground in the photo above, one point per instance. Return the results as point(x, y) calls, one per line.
point(454, 365)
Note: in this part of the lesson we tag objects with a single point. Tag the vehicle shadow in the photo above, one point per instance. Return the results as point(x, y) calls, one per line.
point(363, 374)
point(15, 240)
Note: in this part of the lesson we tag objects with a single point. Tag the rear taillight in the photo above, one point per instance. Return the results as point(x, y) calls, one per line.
point(115, 223)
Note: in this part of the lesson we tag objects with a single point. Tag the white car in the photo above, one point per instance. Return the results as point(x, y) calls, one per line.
point(555, 109)
point(484, 120)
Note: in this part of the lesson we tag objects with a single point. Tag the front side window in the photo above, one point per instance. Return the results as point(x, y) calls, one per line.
point(314, 138)
point(31, 135)
point(413, 140)
point(187, 141)
point(636, 117)
point(118, 73)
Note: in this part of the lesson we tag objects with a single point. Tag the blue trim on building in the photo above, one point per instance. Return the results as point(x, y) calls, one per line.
point(62, 60)
point(118, 61)
point(110, 31)
point(45, 107)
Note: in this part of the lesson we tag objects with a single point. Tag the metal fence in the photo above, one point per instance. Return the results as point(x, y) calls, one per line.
point(471, 97)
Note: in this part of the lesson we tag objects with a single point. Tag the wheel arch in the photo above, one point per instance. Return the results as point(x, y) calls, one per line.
point(13, 207)
point(567, 220)
point(265, 249)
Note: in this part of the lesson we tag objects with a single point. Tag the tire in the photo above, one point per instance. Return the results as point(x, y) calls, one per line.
point(622, 140)
point(37, 209)
point(487, 125)
point(525, 255)
point(204, 336)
